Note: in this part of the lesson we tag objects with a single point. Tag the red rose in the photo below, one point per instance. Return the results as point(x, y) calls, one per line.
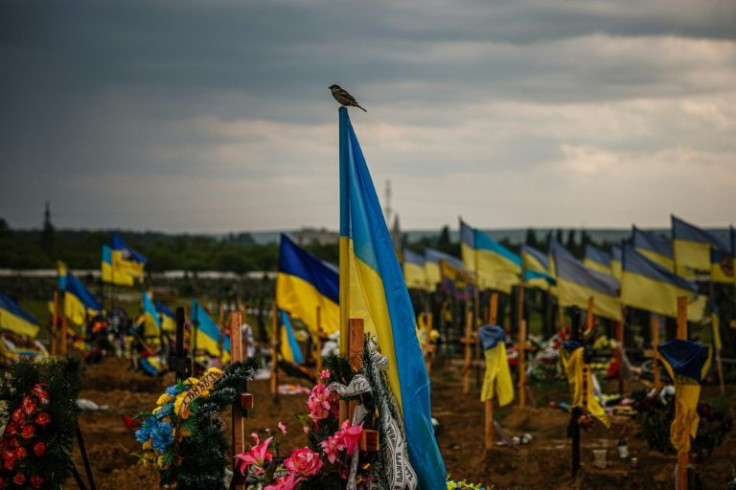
point(36, 481)
point(9, 463)
point(41, 394)
point(28, 431)
point(39, 449)
point(19, 479)
point(28, 405)
point(17, 416)
point(14, 442)
point(43, 418)
point(11, 429)
point(20, 453)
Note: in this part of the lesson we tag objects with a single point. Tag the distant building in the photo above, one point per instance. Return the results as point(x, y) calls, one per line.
point(307, 236)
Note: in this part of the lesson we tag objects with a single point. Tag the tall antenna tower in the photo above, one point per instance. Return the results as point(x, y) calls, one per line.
point(387, 211)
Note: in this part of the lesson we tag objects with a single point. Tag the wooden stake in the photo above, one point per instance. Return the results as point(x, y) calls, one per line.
point(493, 309)
point(55, 324)
point(468, 341)
point(493, 320)
point(589, 317)
point(620, 340)
point(64, 332)
point(522, 364)
point(318, 343)
point(275, 331)
point(682, 457)
point(654, 321)
point(237, 355)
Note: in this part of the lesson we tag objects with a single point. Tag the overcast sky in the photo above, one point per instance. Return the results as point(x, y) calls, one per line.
point(215, 115)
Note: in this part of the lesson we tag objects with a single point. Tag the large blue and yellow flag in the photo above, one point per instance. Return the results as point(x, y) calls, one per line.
point(305, 283)
point(687, 363)
point(152, 323)
point(290, 350)
point(535, 264)
point(495, 266)
point(377, 294)
point(577, 283)
point(456, 282)
point(208, 334)
point(616, 261)
point(125, 261)
point(432, 260)
point(111, 274)
point(692, 247)
point(79, 303)
point(597, 259)
point(168, 318)
point(655, 247)
point(15, 318)
point(649, 286)
point(415, 273)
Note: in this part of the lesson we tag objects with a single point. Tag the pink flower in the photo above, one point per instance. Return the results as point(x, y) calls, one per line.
point(305, 428)
point(287, 482)
point(331, 446)
point(350, 435)
point(319, 403)
point(282, 428)
point(258, 456)
point(304, 462)
point(324, 374)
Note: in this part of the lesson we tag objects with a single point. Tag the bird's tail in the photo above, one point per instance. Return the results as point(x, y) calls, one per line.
point(357, 105)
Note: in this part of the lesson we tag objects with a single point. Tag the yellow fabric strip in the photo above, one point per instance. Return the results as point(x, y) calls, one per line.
point(497, 379)
point(691, 255)
point(662, 260)
point(659, 297)
point(495, 272)
point(17, 324)
point(582, 396)
point(573, 294)
point(301, 299)
point(593, 265)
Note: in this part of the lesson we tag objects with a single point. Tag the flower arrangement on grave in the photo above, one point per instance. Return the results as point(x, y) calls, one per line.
point(655, 414)
point(182, 437)
point(38, 420)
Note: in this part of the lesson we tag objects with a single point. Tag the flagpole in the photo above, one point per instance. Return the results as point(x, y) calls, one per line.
point(344, 231)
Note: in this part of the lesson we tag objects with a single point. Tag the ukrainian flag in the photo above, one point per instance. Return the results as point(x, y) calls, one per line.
point(78, 301)
point(496, 266)
point(432, 265)
point(649, 286)
point(152, 320)
point(15, 318)
point(304, 283)
point(536, 268)
point(654, 247)
point(692, 248)
point(455, 281)
point(126, 260)
point(167, 316)
point(580, 379)
point(597, 259)
point(415, 273)
point(616, 262)
point(290, 351)
point(577, 283)
point(208, 334)
point(687, 363)
point(497, 379)
point(376, 292)
point(110, 274)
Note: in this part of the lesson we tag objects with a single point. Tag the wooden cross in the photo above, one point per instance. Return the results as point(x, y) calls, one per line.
point(488, 426)
point(238, 353)
point(469, 340)
point(652, 354)
point(521, 346)
point(682, 456)
point(179, 362)
point(368, 437)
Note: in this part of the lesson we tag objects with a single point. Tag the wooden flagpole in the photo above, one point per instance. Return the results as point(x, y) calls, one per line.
point(682, 456)
point(468, 340)
point(275, 331)
point(238, 353)
point(492, 320)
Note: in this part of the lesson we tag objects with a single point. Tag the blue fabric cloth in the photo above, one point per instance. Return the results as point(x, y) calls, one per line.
point(685, 357)
point(491, 335)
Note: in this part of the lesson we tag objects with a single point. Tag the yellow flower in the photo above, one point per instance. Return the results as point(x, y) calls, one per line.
point(191, 381)
point(213, 370)
point(147, 444)
point(164, 398)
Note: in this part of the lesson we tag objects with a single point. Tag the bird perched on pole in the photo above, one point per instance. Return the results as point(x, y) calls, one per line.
point(344, 98)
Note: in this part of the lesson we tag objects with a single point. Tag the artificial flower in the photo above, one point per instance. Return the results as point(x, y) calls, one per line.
point(28, 431)
point(39, 448)
point(287, 482)
point(28, 405)
point(282, 428)
point(41, 394)
point(350, 435)
point(303, 461)
point(258, 456)
point(324, 374)
point(319, 402)
point(36, 481)
point(42, 419)
point(19, 479)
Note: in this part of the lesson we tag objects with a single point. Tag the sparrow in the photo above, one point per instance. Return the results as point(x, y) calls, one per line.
point(344, 98)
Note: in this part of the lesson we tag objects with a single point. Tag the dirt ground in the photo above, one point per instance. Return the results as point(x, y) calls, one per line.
point(544, 463)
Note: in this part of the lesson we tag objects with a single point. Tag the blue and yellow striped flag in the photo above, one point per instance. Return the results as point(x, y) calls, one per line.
point(616, 262)
point(497, 378)
point(432, 266)
point(537, 273)
point(208, 334)
point(577, 283)
point(649, 286)
point(415, 273)
point(377, 294)
point(687, 363)
point(168, 318)
point(304, 283)
point(290, 350)
point(111, 274)
point(655, 247)
point(597, 259)
point(152, 323)
point(693, 247)
point(496, 266)
point(79, 303)
point(124, 265)
point(15, 318)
